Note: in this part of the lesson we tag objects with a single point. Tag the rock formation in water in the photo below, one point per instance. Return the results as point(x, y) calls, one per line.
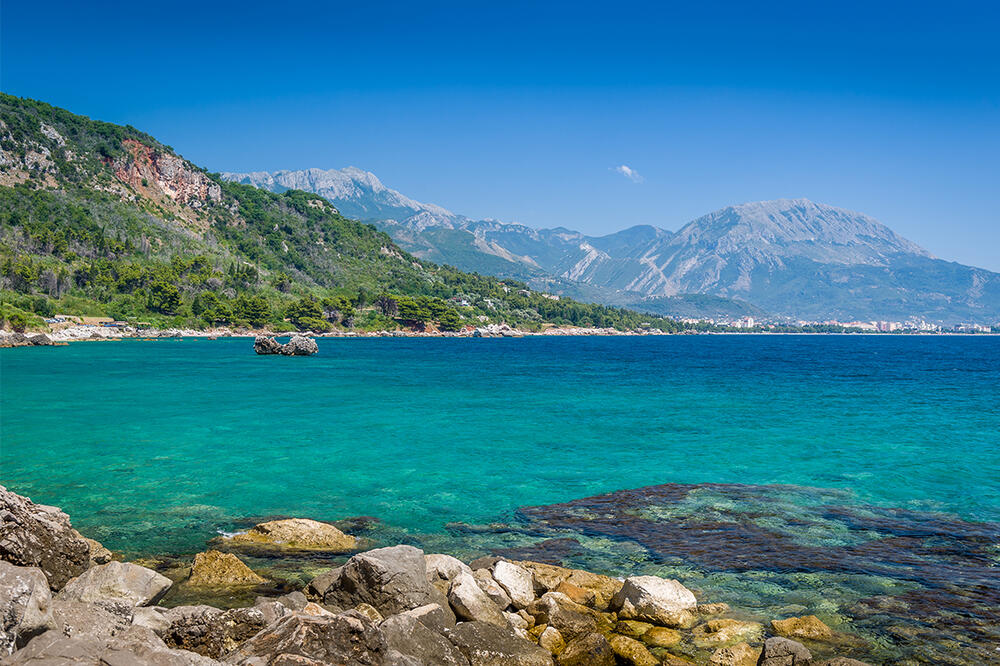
point(297, 346)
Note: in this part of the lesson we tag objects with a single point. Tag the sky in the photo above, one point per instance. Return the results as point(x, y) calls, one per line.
point(592, 116)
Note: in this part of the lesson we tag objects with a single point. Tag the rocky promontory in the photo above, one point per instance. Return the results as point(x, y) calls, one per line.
point(394, 605)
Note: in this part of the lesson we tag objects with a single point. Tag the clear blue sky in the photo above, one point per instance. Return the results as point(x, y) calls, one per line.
point(523, 111)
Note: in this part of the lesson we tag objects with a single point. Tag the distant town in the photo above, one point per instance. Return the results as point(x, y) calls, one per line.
point(909, 326)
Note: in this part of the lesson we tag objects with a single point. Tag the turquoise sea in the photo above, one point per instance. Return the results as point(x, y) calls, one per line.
point(874, 460)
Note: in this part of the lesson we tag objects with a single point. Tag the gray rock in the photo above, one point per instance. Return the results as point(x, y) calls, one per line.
point(134, 647)
point(210, 631)
point(486, 644)
point(297, 346)
point(391, 580)
point(444, 567)
point(323, 583)
point(469, 601)
point(25, 606)
point(123, 581)
point(264, 345)
point(100, 620)
point(434, 616)
point(493, 589)
point(40, 340)
point(152, 617)
point(656, 600)
point(410, 637)
point(35, 535)
point(292, 601)
point(517, 581)
point(298, 639)
point(784, 652)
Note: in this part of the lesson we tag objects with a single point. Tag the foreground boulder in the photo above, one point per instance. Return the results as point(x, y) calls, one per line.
point(121, 581)
point(137, 645)
point(295, 534)
point(306, 640)
point(486, 644)
point(784, 652)
point(471, 602)
point(98, 620)
point(25, 606)
point(35, 535)
point(391, 580)
point(411, 638)
point(297, 346)
point(213, 568)
point(655, 600)
point(210, 631)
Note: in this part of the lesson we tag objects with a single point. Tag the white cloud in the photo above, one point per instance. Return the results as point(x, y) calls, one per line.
point(629, 173)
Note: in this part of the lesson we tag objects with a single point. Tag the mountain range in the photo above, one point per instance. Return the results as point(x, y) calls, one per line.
point(791, 258)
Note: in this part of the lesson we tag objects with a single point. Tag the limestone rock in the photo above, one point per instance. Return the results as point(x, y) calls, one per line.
point(493, 590)
point(411, 638)
point(122, 581)
point(265, 345)
point(632, 628)
point(487, 644)
point(548, 577)
point(103, 619)
point(631, 652)
point(725, 631)
point(516, 581)
point(210, 631)
point(469, 601)
point(656, 600)
point(35, 535)
point(587, 650)
point(135, 646)
point(713, 609)
point(807, 626)
point(369, 612)
point(390, 579)
point(580, 595)
point(323, 583)
point(552, 640)
point(444, 567)
point(297, 346)
point(571, 619)
point(25, 605)
point(784, 652)
point(661, 637)
point(517, 623)
point(348, 639)
point(295, 534)
point(740, 654)
point(98, 553)
point(434, 616)
point(153, 618)
point(215, 568)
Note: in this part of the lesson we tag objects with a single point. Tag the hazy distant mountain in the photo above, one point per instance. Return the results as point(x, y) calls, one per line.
point(790, 257)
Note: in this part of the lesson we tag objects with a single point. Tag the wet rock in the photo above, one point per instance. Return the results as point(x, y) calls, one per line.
point(390, 579)
point(740, 654)
point(784, 652)
point(516, 581)
point(842, 661)
point(552, 640)
point(469, 601)
point(299, 639)
point(632, 628)
point(210, 631)
point(587, 650)
point(135, 646)
point(103, 619)
point(713, 609)
point(656, 600)
point(411, 638)
point(213, 568)
point(631, 652)
point(297, 346)
point(725, 631)
point(487, 644)
point(807, 626)
point(493, 590)
point(294, 534)
point(661, 637)
point(35, 535)
point(25, 605)
point(434, 616)
point(122, 581)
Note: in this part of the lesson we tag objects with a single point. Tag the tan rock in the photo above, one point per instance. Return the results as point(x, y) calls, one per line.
point(216, 569)
point(661, 637)
point(740, 654)
point(632, 628)
point(578, 594)
point(807, 626)
point(369, 612)
point(587, 650)
point(552, 640)
point(315, 610)
point(604, 587)
point(296, 534)
point(713, 609)
point(630, 651)
point(726, 631)
point(98, 553)
point(547, 576)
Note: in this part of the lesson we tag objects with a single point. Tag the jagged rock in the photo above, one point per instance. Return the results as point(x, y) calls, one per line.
point(442, 569)
point(843, 661)
point(135, 646)
point(123, 581)
point(297, 346)
point(324, 582)
point(723, 631)
point(487, 644)
point(390, 579)
point(293, 600)
point(580, 595)
point(210, 631)
point(548, 577)
point(215, 568)
point(587, 650)
point(571, 619)
point(631, 652)
point(35, 535)
point(740, 654)
point(552, 640)
point(493, 590)
point(98, 553)
point(411, 638)
point(656, 600)
point(40, 340)
point(101, 619)
point(433, 616)
point(469, 601)
point(516, 581)
point(14, 339)
point(25, 606)
point(348, 639)
point(294, 534)
point(369, 612)
point(807, 626)
point(784, 652)
point(265, 345)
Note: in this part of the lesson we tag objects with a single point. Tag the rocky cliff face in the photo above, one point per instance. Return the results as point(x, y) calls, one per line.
point(150, 170)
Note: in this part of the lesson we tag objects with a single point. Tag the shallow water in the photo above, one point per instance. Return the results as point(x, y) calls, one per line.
point(154, 447)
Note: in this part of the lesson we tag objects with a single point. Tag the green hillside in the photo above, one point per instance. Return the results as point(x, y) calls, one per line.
point(101, 219)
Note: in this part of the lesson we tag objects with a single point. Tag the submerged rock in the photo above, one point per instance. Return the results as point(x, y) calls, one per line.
point(25, 605)
point(117, 581)
point(784, 652)
point(35, 535)
point(297, 346)
point(725, 631)
point(213, 568)
point(294, 534)
point(807, 626)
point(740, 654)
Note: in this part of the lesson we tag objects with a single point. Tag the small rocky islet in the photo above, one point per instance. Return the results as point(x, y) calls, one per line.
point(64, 600)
